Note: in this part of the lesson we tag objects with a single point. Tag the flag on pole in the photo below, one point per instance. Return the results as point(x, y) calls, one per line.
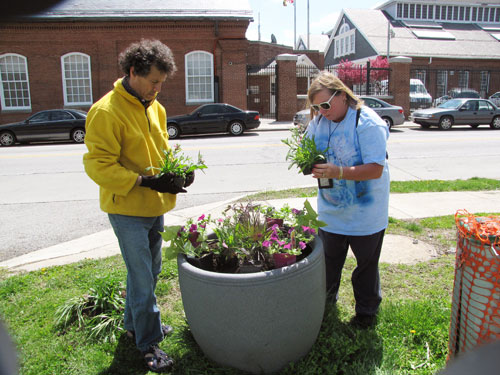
point(287, 1)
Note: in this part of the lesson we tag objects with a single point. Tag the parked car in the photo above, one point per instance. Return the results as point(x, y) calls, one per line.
point(302, 119)
point(49, 125)
point(473, 112)
point(213, 118)
point(463, 93)
point(391, 114)
point(441, 100)
point(495, 98)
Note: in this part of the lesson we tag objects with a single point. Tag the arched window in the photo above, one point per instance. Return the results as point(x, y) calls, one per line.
point(199, 77)
point(14, 82)
point(76, 78)
point(345, 42)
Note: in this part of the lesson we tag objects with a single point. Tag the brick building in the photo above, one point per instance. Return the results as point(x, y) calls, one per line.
point(67, 56)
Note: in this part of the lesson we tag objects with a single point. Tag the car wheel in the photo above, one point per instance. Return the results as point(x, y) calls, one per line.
point(388, 121)
point(495, 123)
point(78, 135)
point(7, 139)
point(236, 128)
point(445, 123)
point(173, 131)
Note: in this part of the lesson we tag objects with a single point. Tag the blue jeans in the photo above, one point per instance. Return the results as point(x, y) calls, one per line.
point(140, 245)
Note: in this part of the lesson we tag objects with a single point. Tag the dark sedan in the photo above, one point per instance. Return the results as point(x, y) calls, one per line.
point(50, 125)
point(213, 118)
point(391, 114)
point(473, 112)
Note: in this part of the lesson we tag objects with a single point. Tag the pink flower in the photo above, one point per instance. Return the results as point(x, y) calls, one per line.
point(201, 218)
point(302, 245)
point(266, 243)
point(193, 228)
point(288, 246)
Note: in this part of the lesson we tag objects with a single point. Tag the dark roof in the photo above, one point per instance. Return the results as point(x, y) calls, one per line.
point(150, 9)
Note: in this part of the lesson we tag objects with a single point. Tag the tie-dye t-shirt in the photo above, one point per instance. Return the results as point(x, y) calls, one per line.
point(355, 208)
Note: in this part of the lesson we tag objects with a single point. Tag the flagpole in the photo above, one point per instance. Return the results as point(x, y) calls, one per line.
point(295, 24)
point(308, 41)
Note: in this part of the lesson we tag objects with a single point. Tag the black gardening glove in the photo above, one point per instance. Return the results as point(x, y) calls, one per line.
point(189, 179)
point(164, 183)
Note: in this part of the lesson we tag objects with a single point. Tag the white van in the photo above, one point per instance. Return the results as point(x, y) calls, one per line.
point(419, 97)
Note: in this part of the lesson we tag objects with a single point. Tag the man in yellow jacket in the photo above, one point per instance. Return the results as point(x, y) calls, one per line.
point(125, 134)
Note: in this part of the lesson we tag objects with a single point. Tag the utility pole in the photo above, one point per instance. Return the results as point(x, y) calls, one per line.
point(388, 38)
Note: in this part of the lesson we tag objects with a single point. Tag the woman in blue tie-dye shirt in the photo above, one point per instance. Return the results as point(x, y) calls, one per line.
point(356, 207)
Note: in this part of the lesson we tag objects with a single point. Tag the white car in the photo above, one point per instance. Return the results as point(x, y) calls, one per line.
point(302, 119)
point(495, 98)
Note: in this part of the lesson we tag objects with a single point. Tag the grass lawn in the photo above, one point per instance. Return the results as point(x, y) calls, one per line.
point(411, 336)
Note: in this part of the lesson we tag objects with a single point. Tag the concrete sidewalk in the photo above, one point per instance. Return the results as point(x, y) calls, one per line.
point(396, 249)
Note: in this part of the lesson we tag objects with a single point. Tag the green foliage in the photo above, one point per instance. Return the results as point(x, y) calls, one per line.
point(176, 162)
point(303, 151)
point(99, 311)
point(248, 232)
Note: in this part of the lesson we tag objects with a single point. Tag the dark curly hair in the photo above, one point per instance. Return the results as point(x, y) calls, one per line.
point(145, 54)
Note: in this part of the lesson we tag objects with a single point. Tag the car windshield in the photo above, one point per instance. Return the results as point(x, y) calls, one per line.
point(453, 103)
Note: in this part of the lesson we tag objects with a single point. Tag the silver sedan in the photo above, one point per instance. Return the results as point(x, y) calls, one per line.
point(473, 112)
point(391, 114)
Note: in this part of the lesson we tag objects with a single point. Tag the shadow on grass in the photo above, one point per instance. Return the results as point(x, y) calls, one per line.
point(126, 359)
point(341, 349)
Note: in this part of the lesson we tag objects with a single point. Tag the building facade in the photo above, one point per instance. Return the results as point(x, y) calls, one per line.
point(67, 57)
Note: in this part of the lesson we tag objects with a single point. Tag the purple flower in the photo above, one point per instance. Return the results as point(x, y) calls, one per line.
point(302, 245)
point(308, 230)
point(266, 243)
point(193, 228)
point(201, 218)
point(296, 212)
point(288, 246)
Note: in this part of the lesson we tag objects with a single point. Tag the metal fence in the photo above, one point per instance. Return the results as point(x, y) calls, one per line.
point(439, 82)
point(262, 95)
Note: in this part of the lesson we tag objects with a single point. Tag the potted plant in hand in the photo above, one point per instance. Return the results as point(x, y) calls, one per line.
point(259, 321)
point(180, 166)
point(303, 151)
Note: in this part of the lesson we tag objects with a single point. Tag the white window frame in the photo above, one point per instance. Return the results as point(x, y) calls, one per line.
point(345, 41)
point(13, 81)
point(442, 82)
point(463, 79)
point(485, 82)
point(82, 76)
point(194, 97)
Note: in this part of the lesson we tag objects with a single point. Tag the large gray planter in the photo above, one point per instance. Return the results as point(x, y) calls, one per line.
point(257, 322)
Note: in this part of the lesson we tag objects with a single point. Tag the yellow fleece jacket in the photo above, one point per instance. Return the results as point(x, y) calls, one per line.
point(123, 139)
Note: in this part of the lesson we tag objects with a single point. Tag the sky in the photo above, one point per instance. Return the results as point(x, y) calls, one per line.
point(278, 19)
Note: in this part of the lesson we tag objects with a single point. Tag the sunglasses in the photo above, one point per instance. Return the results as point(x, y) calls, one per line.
point(325, 105)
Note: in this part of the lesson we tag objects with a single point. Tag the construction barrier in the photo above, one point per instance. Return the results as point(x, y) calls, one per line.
point(475, 315)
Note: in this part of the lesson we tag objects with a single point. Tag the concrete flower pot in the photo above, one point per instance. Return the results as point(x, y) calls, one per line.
point(257, 322)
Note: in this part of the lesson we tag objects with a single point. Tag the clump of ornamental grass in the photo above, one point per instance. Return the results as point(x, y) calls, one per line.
point(99, 311)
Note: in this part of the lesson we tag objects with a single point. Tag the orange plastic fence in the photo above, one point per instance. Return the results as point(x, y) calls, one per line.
point(475, 316)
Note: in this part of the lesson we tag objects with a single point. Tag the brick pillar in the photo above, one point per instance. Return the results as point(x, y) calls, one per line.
point(286, 87)
point(233, 72)
point(399, 82)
